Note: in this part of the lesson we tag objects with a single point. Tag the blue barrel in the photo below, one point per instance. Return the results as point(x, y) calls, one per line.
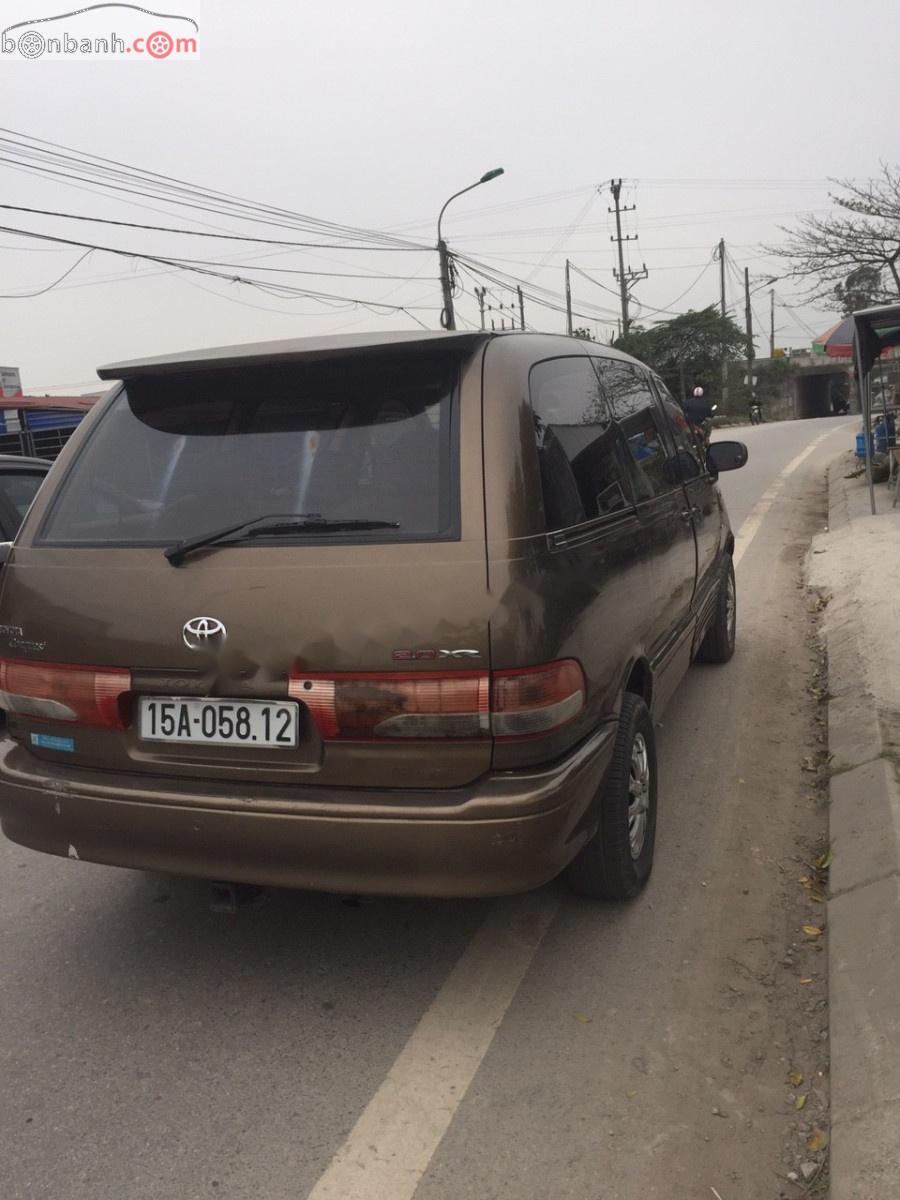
point(861, 445)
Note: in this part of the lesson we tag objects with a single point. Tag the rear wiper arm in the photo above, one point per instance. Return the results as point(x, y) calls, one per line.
point(263, 526)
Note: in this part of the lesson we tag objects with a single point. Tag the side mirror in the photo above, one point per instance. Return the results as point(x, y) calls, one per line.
point(726, 456)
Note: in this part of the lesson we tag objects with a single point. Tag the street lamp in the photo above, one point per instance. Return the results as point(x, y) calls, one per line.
point(448, 320)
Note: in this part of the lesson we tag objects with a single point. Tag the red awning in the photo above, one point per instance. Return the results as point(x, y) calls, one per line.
point(81, 403)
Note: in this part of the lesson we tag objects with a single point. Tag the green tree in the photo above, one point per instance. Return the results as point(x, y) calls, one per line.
point(688, 348)
point(583, 333)
point(862, 288)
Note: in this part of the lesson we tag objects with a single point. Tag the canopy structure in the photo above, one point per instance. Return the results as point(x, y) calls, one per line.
point(874, 331)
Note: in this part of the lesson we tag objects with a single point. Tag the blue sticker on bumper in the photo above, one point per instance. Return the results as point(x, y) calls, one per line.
point(48, 742)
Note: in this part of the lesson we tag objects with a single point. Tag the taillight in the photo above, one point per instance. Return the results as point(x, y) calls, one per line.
point(396, 705)
point(63, 692)
point(536, 700)
point(454, 704)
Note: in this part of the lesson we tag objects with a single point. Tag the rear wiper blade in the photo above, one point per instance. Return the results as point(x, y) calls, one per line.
point(277, 524)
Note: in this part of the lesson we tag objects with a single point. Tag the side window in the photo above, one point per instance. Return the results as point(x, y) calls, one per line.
point(681, 432)
point(579, 448)
point(19, 489)
point(634, 407)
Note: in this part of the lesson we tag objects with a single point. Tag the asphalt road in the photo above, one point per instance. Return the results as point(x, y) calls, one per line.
point(521, 1049)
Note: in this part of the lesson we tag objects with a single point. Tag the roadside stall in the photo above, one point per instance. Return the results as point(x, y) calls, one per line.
point(875, 332)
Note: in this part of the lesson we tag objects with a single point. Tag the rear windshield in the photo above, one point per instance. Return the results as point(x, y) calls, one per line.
point(177, 456)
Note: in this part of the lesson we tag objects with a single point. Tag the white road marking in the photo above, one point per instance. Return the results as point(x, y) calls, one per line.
point(389, 1148)
point(750, 527)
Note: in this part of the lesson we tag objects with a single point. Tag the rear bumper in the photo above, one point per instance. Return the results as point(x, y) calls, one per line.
point(508, 832)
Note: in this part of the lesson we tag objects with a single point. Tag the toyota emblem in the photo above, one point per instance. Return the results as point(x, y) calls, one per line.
point(204, 633)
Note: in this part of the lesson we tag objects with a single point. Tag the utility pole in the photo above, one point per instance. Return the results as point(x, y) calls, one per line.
point(568, 301)
point(771, 323)
point(624, 277)
point(448, 317)
point(521, 309)
point(479, 293)
point(748, 313)
point(723, 313)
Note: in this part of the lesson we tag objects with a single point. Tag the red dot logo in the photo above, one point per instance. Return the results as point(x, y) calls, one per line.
point(159, 44)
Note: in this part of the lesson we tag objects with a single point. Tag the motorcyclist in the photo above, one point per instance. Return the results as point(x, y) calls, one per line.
point(755, 412)
point(698, 411)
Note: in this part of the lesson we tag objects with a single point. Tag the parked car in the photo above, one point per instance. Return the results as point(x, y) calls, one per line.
point(20, 479)
point(387, 613)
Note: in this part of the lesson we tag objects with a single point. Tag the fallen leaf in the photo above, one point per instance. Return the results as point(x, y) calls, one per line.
point(817, 896)
point(800, 1102)
point(817, 1140)
point(811, 930)
point(808, 980)
point(583, 1019)
point(824, 861)
point(795, 1078)
point(805, 881)
point(631, 1095)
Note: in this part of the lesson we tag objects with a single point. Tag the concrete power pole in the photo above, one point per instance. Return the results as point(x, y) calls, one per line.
point(748, 313)
point(624, 277)
point(448, 317)
point(568, 301)
point(772, 323)
point(479, 295)
point(521, 309)
point(723, 313)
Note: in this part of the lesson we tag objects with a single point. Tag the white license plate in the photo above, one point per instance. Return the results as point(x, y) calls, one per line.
point(266, 723)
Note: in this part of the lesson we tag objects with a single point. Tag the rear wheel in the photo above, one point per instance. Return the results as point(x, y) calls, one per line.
point(718, 644)
point(616, 863)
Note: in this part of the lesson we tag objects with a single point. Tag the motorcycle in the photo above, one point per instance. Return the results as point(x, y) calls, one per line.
point(756, 414)
point(702, 432)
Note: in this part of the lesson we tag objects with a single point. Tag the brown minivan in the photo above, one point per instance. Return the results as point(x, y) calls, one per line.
point(383, 613)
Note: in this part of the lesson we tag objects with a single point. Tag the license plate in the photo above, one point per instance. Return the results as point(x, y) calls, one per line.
point(268, 724)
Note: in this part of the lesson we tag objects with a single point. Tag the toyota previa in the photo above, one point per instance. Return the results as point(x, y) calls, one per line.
point(384, 613)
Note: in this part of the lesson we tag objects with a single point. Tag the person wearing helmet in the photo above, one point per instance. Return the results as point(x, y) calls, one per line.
point(697, 408)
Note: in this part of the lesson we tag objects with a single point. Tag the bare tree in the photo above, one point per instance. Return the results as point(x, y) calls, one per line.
point(824, 252)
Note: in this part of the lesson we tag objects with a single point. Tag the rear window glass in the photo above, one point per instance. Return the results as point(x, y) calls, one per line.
point(350, 439)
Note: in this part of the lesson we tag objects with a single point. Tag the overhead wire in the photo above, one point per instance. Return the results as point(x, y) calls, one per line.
point(104, 171)
point(273, 289)
point(50, 286)
point(232, 237)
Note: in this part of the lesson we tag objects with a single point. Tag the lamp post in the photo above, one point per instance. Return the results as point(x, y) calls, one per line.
point(448, 319)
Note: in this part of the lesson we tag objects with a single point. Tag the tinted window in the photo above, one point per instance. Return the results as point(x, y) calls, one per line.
point(19, 488)
point(689, 457)
point(579, 448)
point(352, 439)
point(634, 407)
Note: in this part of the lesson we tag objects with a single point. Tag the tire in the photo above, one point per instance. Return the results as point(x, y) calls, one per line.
point(718, 644)
point(616, 863)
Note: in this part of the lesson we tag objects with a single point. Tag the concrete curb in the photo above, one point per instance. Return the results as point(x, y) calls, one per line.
point(864, 905)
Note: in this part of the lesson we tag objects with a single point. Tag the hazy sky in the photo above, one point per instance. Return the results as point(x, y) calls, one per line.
point(724, 120)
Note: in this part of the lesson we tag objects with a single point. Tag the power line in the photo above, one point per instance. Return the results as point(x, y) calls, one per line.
point(668, 310)
point(166, 187)
point(50, 286)
point(231, 237)
point(280, 290)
